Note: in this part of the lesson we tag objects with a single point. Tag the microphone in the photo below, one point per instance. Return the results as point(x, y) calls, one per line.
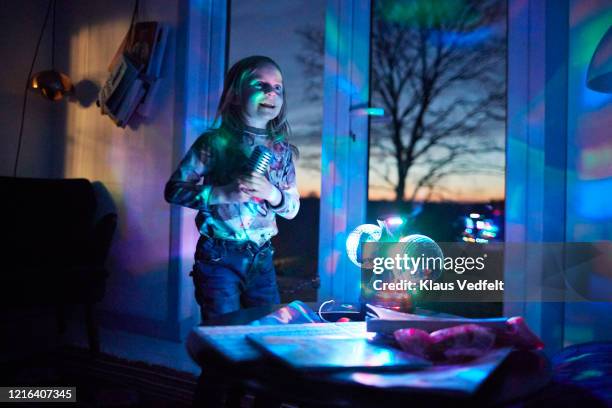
point(260, 160)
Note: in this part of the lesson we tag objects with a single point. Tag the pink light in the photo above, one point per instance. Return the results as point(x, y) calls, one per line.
point(394, 221)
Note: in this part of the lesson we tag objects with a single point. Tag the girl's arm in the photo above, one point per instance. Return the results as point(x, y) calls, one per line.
point(290, 201)
point(183, 187)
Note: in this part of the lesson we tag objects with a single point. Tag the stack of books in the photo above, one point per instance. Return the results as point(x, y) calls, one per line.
point(135, 73)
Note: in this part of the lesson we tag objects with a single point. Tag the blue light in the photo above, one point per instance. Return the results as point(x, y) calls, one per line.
point(591, 201)
point(467, 39)
point(592, 99)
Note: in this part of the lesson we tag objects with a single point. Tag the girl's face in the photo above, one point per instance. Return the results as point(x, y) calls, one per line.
point(261, 96)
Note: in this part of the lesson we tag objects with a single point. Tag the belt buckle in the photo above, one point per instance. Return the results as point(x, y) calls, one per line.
point(252, 248)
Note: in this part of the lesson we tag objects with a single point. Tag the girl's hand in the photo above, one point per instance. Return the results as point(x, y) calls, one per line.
point(229, 193)
point(258, 186)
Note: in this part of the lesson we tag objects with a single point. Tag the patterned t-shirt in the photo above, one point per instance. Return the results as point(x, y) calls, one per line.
point(217, 158)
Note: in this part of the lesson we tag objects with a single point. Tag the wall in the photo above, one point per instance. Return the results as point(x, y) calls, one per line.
point(589, 166)
point(535, 164)
point(559, 170)
point(17, 51)
point(72, 139)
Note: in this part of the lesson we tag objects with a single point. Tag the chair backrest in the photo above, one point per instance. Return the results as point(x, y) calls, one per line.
point(46, 222)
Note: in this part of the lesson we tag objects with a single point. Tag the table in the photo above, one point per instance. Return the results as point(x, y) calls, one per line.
point(267, 384)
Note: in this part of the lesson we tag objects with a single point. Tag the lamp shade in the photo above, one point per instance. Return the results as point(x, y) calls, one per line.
point(51, 84)
point(599, 75)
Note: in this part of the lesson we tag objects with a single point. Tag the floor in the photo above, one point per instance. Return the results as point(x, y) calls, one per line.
point(37, 331)
point(138, 348)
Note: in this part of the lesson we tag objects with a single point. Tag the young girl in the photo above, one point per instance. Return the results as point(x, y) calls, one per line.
point(237, 210)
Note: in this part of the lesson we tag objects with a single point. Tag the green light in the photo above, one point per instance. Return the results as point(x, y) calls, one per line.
point(585, 375)
point(363, 111)
point(375, 112)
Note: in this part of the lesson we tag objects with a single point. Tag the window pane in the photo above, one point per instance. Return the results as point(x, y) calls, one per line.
point(291, 33)
point(439, 71)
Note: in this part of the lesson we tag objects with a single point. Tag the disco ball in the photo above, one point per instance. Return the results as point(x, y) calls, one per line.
point(432, 259)
point(363, 233)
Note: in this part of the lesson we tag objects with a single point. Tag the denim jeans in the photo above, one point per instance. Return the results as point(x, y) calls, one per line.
point(228, 275)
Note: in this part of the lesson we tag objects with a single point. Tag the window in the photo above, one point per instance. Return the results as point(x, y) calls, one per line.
point(437, 155)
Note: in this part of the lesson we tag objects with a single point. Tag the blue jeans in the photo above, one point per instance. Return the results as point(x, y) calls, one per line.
point(228, 275)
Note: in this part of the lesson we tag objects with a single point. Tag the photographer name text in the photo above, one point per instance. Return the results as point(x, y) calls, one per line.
point(428, 285)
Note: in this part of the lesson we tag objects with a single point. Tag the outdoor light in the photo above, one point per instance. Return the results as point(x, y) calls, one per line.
point(479, 229)
point(599, 75)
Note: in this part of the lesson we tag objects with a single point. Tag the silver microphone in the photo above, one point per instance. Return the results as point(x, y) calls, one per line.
point(260, 160)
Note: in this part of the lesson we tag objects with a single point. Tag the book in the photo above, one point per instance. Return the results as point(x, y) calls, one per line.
point(121, 85)
point(386, 321)
point(141, 44)
point(111, 83)
point(157, 55)
point(117, 56)
point(139, 97)
point(146, 107)
point(154, 71)
point(135, 69)
point(337, 352)
point(130, 102)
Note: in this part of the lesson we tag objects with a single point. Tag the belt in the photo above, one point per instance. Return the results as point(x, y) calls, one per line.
point(240, 245)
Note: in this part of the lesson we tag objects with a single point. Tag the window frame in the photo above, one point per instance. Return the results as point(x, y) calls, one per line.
point(344, 150)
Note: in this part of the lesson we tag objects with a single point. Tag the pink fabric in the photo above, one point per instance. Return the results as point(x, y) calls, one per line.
point(468, 341)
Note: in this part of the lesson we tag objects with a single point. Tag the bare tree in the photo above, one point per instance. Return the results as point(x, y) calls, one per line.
point(438, 70)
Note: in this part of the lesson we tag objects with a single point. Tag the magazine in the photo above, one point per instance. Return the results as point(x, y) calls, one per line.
point(142, 42)
point(134, 73)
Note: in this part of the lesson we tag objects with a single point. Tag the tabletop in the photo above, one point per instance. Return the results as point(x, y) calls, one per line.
point(521, 374)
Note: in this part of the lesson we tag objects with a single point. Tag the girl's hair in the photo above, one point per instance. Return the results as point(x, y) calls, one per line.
point(230, 113)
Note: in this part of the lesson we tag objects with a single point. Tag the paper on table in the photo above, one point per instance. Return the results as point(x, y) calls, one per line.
point(463, 378)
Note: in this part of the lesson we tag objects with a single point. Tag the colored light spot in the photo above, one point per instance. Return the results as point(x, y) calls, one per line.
point(395, 221)
point(585, 375)
point(591, 203)
point(571, 359)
